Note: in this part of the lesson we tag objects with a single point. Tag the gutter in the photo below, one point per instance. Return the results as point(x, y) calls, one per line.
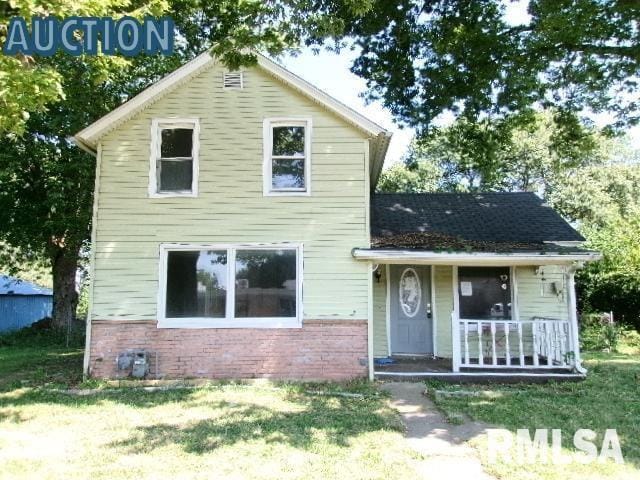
point(472, 258)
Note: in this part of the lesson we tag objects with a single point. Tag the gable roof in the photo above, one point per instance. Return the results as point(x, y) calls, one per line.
point(89, 137)
point(463, 221)
point(14, 286)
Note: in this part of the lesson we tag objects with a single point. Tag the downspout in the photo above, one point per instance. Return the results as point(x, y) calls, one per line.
point(573, 316)
point(94, 222)
point(367, 226)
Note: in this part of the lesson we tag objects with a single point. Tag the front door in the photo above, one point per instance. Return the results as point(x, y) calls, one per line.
point(410, 319)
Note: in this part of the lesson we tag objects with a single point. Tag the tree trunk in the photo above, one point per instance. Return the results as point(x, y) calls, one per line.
point(64, 265)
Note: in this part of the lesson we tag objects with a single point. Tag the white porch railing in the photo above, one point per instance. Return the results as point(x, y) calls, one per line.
point(539, 343)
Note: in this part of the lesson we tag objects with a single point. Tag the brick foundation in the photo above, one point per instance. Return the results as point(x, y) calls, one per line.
point(320, 350)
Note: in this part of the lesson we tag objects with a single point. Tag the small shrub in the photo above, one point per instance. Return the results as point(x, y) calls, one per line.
point(37, 336)
point(598, 333)
point(630, 341)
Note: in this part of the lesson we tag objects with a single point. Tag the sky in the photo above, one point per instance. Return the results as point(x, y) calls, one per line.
point(330, 72)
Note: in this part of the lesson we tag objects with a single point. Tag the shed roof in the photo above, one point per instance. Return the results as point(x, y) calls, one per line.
point(15, 286)
point(499, 222)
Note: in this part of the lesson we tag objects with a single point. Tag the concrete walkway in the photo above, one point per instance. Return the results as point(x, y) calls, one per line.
point(443, 445)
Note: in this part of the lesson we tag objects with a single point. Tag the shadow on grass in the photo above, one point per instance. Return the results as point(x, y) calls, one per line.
point(606, 399)
point(300, 423)
point(32, 366)
point(334, 422)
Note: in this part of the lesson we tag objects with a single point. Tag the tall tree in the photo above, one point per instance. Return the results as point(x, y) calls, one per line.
point(46, 183)
point(495, 156)
point(232, 29)
point(604, 202)
point(29, 84)
point(426, 57)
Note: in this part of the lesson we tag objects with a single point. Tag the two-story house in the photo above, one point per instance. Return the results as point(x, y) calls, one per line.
point(235, 234)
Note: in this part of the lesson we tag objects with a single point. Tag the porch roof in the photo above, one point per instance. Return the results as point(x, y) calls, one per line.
point(502, 223)
point(428, 257)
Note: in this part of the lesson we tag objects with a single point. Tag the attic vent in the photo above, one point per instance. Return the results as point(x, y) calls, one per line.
point(233, 80)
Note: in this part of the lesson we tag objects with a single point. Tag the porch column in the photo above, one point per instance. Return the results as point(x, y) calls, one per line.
point(573, 317)
point(370, 367)
point(455, 324)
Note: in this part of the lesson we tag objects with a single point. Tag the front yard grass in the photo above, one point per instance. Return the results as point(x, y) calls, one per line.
point(609, 398)
point(264, 430)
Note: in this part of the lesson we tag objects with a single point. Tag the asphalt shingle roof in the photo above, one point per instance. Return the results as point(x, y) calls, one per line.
point(458, 221)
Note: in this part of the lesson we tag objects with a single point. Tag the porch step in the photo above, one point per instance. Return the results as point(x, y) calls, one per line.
point(479, 377)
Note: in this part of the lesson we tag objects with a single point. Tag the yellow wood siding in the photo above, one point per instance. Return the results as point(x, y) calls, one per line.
point(443, 279)
point(537, 298)
point(380, 346)
point(230, 207)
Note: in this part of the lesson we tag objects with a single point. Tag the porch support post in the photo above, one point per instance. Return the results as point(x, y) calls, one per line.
point(455, 324)
point(573, 317)
point(370, 321)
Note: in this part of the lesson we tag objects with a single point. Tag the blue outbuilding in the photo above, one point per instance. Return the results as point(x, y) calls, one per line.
point(22, 303)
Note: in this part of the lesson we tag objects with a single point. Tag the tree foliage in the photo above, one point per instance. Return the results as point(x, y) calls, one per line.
point(604, 201)
point(592, 180)
point(495, 156)
point(424, 58)
point(29, 84)
point(46, 183)
point(613, 283)
point(231, 29)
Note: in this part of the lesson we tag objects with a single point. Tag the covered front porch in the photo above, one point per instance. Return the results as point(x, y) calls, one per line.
point(456, 315)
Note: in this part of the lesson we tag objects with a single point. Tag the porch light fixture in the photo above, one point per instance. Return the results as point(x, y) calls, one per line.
point(377, 272)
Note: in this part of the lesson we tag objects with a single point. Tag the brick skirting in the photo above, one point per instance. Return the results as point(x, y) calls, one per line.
point(320, 350)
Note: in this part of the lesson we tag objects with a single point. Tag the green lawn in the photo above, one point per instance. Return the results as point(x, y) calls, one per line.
point(608, 398)
point(272, 430)
point(228, 430)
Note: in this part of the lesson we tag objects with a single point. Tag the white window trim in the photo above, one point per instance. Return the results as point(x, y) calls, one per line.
point(229, 321)
point(267, 137)
point(156, 125)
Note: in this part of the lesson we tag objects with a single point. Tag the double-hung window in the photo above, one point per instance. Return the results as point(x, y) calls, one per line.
point(229, 286)
point(287, 156)
point(174, 158)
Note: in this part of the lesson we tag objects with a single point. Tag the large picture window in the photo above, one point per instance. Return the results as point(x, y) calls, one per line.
point(287, 147)
point(174, 158)
point(484, 293)
point(230, 286)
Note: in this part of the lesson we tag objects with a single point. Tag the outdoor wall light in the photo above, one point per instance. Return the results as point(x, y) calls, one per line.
point(377, 273)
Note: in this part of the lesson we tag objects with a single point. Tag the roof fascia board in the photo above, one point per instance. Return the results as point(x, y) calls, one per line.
point(321, 97)
point(89, 136)
point(478, 258)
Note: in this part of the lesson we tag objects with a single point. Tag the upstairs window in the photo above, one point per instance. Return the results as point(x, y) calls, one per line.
point(287, 162)
point(174, 158)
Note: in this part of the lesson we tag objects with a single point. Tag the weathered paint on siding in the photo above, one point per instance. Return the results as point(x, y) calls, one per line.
point(230, 207)
point(380, 346)
point(536, 298)
point(444, 307)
